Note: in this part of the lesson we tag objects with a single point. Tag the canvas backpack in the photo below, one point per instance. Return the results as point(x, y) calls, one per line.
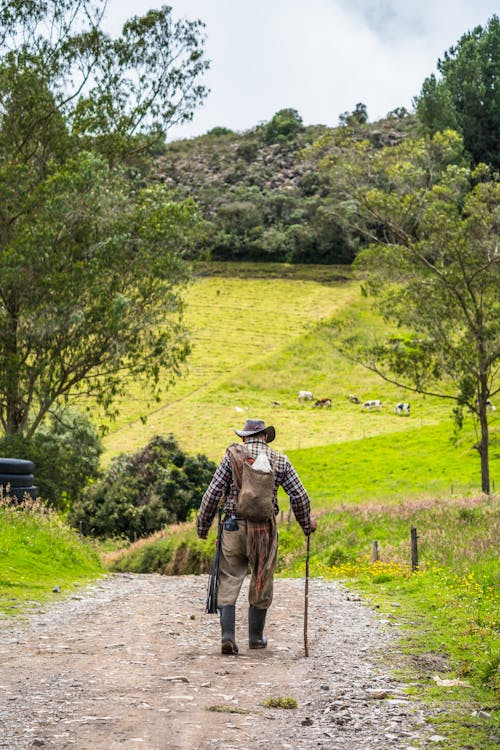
point(255, 487)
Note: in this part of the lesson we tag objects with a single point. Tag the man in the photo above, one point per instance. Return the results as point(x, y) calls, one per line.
point(248, 542)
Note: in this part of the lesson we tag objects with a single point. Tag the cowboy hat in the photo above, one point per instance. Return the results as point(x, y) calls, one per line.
point(254, 427)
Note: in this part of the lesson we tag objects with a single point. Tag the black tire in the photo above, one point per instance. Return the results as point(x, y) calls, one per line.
point(17, 480)
point(19, 492)
point(16, 466)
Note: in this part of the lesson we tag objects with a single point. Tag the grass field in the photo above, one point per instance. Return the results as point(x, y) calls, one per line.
point(244, 357)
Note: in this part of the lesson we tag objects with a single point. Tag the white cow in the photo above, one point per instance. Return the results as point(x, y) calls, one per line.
point(489, 405)
point(374, 403)
point(354, 399)
point(305, 396)
point(402, 408)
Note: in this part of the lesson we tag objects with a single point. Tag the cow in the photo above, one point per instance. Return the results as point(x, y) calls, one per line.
point(324, 402)
point(489, 405)
point(275, 403)
point(305, 396)
point(402, 408)
point(354, 399)
point(374, 403)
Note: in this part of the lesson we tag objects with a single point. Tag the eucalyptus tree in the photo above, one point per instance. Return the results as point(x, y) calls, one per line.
point(92, 257)
point(432, 265)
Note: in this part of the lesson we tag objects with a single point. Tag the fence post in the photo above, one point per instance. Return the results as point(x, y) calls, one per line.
point(414, 549)
point(374, 550)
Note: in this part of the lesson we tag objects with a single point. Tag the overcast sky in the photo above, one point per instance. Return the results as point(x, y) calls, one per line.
point(319, 57)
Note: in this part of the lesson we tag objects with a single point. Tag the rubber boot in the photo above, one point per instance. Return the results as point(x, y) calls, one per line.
point(256, 622)
point(227, 622)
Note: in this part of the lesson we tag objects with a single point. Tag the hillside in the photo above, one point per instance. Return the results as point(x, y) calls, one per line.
point(244, 358)
point(261, 193)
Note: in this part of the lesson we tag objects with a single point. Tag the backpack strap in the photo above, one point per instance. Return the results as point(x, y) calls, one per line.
point(237, 454)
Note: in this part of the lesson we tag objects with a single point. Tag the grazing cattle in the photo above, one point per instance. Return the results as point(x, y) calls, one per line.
point(305, 396)
point(402, 408)
point(354, 399)
point(275, 403)
point(374, 403)
point(326, 402)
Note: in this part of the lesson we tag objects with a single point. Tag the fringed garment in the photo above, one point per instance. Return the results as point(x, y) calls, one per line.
point(262, 543)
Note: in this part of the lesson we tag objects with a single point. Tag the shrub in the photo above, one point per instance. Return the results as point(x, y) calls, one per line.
point(283, 127)
point(143, 492)
point(65, 450)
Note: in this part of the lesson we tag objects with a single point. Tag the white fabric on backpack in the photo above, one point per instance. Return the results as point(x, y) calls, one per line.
point(262, 463)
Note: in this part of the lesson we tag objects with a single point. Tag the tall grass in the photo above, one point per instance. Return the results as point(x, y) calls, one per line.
point(39, 553)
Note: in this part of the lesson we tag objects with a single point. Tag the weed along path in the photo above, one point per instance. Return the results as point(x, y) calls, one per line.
point(133, 662)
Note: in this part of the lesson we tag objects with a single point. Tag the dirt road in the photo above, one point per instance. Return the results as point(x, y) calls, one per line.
point(133, 662)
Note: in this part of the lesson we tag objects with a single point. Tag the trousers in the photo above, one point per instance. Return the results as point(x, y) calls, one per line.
point(252, 546)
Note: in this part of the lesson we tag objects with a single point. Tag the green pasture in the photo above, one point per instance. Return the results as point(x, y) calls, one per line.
point(426, 461)
point(258, 339)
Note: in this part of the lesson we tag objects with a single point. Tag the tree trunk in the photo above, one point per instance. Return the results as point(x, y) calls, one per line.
point(14, 412)
point(484, 453)
point(484, 443)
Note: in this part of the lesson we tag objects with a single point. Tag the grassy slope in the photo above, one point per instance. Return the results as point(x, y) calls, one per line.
point(244, 358)
point(37, 554)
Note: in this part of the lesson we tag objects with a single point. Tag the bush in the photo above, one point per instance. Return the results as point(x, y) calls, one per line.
point(65, 450)
point(143, 492)
point(283, 127)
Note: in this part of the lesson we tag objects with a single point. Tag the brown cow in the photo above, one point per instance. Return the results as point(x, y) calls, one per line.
point(326, 402)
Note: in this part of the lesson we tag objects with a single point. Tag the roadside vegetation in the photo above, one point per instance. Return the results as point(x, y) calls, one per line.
point(41, 558)
point(448, 610)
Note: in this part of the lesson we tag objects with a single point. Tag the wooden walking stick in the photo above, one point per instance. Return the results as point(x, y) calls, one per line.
point(306, 645)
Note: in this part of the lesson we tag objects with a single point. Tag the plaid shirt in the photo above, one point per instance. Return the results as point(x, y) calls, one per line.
point(222, 486)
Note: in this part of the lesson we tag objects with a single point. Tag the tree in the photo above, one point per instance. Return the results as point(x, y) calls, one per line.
point(283, 126)
point(92, 259)
point(358, 116)
point(433, 269)
point(467, 97)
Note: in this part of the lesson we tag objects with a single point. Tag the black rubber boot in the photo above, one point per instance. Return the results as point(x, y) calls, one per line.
point(227, 622)
point(256, 622)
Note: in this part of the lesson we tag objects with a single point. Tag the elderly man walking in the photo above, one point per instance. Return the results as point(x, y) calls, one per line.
point(250, 536)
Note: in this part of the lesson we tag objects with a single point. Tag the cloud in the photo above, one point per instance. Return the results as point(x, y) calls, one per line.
point(319, 57)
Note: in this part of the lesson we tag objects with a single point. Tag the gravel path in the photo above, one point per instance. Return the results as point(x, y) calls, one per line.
point(133, 662)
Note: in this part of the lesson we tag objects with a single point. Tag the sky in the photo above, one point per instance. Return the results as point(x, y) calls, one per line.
point(320, 57)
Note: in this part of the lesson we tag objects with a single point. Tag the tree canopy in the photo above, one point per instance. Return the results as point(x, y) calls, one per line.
point(467, 95)
point(433, 268)
point(92, 258)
